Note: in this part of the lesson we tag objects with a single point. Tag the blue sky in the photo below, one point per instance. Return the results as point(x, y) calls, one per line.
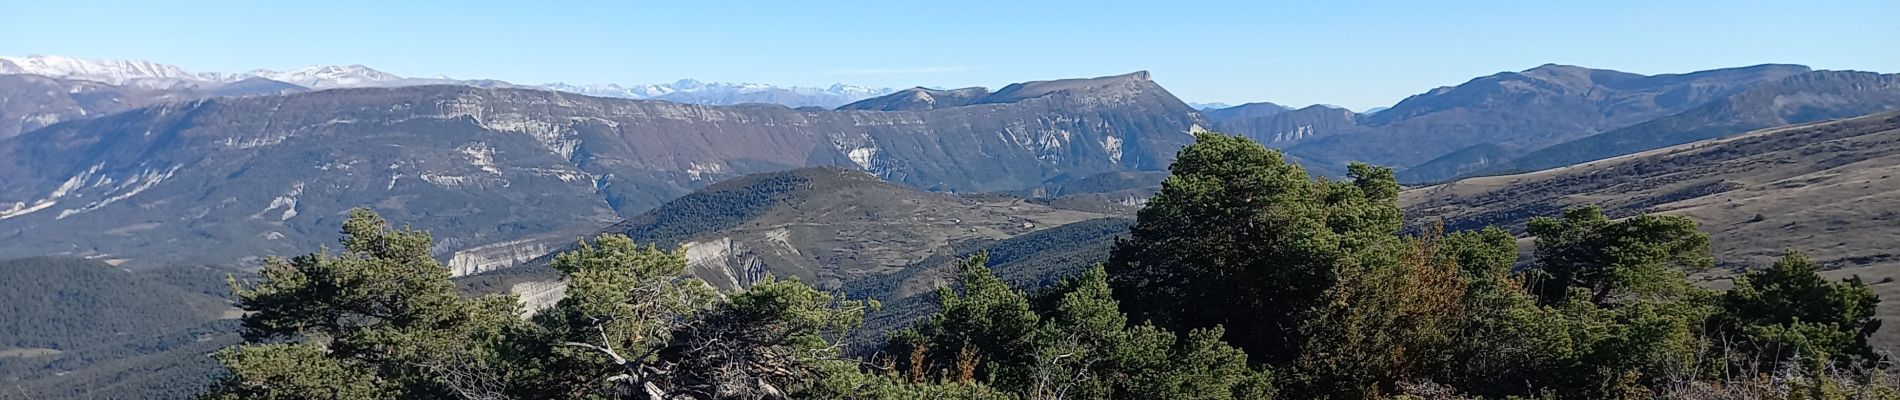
point(1349, 53)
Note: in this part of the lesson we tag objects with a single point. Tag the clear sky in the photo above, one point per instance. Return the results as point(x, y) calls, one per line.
point(1349, 53)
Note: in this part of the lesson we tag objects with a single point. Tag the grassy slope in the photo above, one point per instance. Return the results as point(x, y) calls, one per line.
point(1829, 190)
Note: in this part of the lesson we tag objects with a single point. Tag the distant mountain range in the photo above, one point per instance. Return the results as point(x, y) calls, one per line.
point(696, 92)
point(1555, 115)
point(29, 102)
point(500, 174)
point(1209, 106)
point(151, 75)
point(259, 166)
point(1489, 125)
point(1811, 97)
point(1517, 110)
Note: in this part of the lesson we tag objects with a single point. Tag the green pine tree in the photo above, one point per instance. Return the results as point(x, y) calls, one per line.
point(1789, 309)
point(380, 320)
point(1240, 238)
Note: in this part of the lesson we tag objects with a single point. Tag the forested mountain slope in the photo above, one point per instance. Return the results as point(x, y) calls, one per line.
point(85, 329)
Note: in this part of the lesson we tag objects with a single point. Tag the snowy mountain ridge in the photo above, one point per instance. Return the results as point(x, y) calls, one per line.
point(718, 93)
point(330, 76)
point(153, 75)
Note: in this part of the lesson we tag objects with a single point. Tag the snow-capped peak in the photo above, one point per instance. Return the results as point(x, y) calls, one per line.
point(693, 91)
point(155, 75)
point(116, 72)
point(330, 76)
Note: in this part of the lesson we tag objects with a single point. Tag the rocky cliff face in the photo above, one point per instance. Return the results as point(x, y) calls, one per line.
point(1243, 111)
point(496, 256)
point(272, 174)
point(1289, 127)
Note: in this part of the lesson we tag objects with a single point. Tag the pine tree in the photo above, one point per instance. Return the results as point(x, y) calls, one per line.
point(1073, 343)
point(1789, 309)
point(1380, 326)
point(1238, 237)
point(383, 320)
point(380, 320)
point(982, 331)
point(633, 325)
point(1621, 292)
point(1643, 258)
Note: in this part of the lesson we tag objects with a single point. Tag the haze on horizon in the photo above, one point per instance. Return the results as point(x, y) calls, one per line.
point(1360, 55)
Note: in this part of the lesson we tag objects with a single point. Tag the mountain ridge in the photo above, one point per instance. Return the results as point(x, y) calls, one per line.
point(1260, 109)
point(262, 174)
point(1524, 109)
point(920, 98)
point(1809, 97)
point(29, 102)
point(153, 75)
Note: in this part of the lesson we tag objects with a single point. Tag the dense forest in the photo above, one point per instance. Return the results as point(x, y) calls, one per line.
point(76, 328)
point(1242, 278)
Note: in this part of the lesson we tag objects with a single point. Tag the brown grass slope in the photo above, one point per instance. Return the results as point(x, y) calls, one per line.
point(1829, 189)
point(835, 228)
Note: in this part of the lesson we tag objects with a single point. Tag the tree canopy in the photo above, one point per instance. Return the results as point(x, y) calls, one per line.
point(1238, 237)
